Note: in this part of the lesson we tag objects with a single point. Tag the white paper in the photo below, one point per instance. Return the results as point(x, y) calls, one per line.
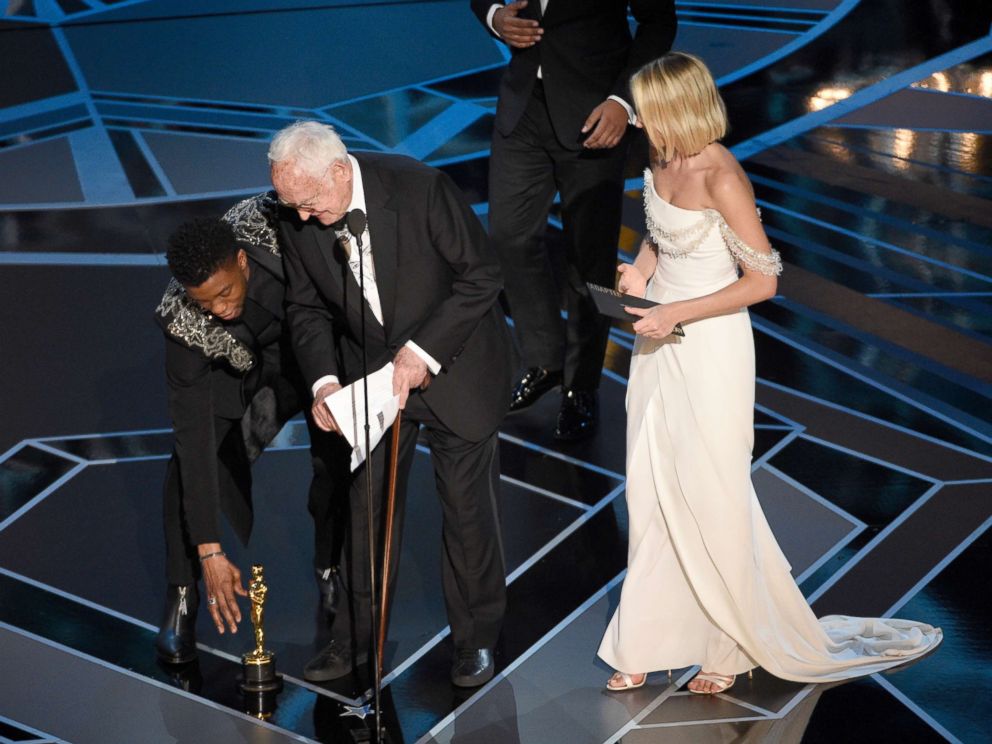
point(347, 406)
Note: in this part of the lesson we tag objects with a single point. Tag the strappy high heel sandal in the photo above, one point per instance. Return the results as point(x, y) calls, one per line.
point(621, 682)
point(721, 682)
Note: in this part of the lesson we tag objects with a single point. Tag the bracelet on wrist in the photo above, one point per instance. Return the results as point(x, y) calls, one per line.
point(211, 555)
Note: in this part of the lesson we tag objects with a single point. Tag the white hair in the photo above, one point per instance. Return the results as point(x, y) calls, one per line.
point(310, 145)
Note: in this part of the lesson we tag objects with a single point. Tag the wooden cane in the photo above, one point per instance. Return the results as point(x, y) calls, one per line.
point(387, 550)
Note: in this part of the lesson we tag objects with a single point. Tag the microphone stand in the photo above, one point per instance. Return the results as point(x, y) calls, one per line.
point(356, 219)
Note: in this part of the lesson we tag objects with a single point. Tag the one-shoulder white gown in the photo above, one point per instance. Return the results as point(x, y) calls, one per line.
point(706, 581)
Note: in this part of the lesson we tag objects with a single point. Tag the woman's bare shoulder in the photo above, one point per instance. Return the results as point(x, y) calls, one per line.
point(725, 178)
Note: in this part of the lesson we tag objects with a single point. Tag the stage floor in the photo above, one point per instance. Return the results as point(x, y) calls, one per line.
point(867, 132)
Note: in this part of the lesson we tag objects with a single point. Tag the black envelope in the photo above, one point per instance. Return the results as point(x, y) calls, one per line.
point(610, 302)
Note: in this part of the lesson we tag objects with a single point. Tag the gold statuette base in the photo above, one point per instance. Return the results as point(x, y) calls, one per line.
point(259, 672)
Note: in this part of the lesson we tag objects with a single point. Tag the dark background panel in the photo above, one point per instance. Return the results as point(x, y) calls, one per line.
point(81, 352)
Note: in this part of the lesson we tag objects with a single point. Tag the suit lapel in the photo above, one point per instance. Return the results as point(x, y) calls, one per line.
point(326, 245)
point(384, 240)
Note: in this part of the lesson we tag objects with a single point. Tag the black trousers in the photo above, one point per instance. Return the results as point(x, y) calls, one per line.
point(525, 170)
point(329, 458)
point(473, 574)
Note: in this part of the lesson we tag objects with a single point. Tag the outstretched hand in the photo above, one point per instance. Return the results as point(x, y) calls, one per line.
point(222, 581)
point(515, 31)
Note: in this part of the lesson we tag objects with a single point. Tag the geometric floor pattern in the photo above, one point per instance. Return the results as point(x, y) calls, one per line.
point(867, 133)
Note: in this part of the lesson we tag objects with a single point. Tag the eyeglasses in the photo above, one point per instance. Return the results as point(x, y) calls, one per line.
point(307, 205)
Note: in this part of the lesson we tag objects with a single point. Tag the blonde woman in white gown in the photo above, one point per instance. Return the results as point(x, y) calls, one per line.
point(706, 582)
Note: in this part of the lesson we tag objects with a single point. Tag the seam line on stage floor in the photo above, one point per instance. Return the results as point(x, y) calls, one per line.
point(513, 576)
point(875, 419)
point(42, 737)
point(60, 453)
point(41, 496)
point(811, 494)
point(148, 626)
point(869, 458)
point(669, 690)
point(923, 715)
point(502, 674)
point(941, 565)
point(776, 448)
point(148, 680)
point(763, 712)
point(874, 542)
point(775, 332)
point(423, 449)
point(704, 722)
point(587, 513)
point(545, 492)
point(561, 456)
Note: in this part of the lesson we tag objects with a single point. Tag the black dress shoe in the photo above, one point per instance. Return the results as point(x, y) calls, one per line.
point(472, 667)
point(334, 661)
point(578, 416)
point(330, 587)
point(176, 640)
point(535, 383)
point(187, 677)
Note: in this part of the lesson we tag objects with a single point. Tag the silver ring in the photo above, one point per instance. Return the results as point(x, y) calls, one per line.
point(211, 600)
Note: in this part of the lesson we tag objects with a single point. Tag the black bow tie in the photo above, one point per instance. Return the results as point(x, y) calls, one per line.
point(341, 225)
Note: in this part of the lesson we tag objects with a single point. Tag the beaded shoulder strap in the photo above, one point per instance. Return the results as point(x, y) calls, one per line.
point(254, 221)
point(769, 264)
point(680, 242)
point(188, 323)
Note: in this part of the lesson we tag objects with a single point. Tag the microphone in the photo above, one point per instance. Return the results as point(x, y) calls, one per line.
point(355, 221)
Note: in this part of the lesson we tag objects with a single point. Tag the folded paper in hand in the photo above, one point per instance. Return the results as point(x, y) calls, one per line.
point(610, 302)
point(347, 406)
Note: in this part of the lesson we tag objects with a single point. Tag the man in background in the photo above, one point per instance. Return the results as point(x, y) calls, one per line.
point(561, 123)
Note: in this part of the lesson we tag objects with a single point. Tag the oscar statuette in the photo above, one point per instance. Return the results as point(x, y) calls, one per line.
point(259, 681)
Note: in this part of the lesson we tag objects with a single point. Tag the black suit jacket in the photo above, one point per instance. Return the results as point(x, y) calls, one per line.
point(438, 284)
point(586, 55)
point(209, 388)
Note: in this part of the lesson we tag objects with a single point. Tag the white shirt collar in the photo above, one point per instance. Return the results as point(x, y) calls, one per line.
point(357, 189)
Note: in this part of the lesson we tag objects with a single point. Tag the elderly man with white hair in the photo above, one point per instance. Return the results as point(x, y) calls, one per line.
point(431, 288)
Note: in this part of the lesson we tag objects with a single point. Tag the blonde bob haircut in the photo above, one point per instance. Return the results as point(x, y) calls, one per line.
point(678, 105)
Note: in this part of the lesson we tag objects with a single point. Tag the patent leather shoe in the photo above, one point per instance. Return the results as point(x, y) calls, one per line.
point(472, 667)
point(334, 661)
point(578, 416)
point(535, 382)
point(176, 639)
point(330, 587)
point(186, 677)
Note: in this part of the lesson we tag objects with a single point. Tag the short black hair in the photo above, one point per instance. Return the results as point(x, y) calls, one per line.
point(198, 248)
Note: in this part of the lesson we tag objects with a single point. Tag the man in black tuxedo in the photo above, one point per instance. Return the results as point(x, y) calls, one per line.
point(431, 308)
point(232, 385)
point(561, 122)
